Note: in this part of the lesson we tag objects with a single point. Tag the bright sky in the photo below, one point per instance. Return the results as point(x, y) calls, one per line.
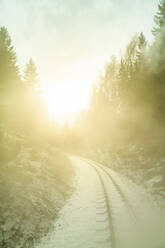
point(70, 40)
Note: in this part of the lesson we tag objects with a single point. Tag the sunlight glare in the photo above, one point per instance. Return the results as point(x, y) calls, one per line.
point(66, 99)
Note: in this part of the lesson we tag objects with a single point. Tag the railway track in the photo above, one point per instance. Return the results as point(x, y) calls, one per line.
point(106, 211)
point(110, 227)
point(108, 208)
point(122, 195)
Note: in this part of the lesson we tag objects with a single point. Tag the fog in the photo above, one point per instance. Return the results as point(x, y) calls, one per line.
point(77, 34)
point(80, 79)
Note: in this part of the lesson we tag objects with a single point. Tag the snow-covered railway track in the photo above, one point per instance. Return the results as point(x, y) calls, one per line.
point(116, 185)
point(103, 175)
point(110, 227)
point(106, 210)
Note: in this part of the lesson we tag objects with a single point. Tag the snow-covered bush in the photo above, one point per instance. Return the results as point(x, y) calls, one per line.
point(34, 184)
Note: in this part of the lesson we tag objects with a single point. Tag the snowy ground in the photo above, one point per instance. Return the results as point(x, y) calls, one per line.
point(76, 224)
point(136, 219)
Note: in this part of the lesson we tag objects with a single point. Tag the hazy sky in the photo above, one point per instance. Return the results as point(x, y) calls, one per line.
point(71, 39)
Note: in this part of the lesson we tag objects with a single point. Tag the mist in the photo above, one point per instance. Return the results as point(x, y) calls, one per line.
point(76, 35)
point(82, 131)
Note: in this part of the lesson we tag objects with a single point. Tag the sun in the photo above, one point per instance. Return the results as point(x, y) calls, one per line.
point(65, 100)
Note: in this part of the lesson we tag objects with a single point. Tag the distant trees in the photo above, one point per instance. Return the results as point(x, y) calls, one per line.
point(21, 106)
point(30, 76)
point(157, 63)
point(34, 112)
point(122, 79)
point(131, 90)
point(108, 81)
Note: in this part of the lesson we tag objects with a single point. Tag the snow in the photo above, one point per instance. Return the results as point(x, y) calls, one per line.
point(76, 226)
point(138, 221)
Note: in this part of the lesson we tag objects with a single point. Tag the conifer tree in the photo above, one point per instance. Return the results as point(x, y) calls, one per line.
point(30, 74)
point(9, 78)
point(159, 18)
point(8, 62)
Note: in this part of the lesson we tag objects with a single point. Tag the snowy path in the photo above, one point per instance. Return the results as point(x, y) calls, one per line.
point(106, 211)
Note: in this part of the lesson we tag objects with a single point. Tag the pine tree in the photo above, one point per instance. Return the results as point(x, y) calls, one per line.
point(142, 44)
point(159, 18)
point(34, 107)
point(110, 79)
point(9, 78)
point(130, 57)
point(157, 62)
point(157, 52)
point(30, 75)
point(141, 55)
point(8, 67)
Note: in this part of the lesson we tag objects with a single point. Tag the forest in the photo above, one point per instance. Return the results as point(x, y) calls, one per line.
point(124, 127)
point(35, 179)
point(127, 100)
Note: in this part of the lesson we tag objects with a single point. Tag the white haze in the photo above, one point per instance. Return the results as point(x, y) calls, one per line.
point(73, 39)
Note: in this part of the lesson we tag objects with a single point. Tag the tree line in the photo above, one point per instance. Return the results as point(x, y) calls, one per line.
point(22, 108)
point(129, 96)
point(127, 101)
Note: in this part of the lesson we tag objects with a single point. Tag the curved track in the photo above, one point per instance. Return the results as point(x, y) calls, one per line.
point(106, 210)
point(122, 195)
point(101, 172)
point(109, 212)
